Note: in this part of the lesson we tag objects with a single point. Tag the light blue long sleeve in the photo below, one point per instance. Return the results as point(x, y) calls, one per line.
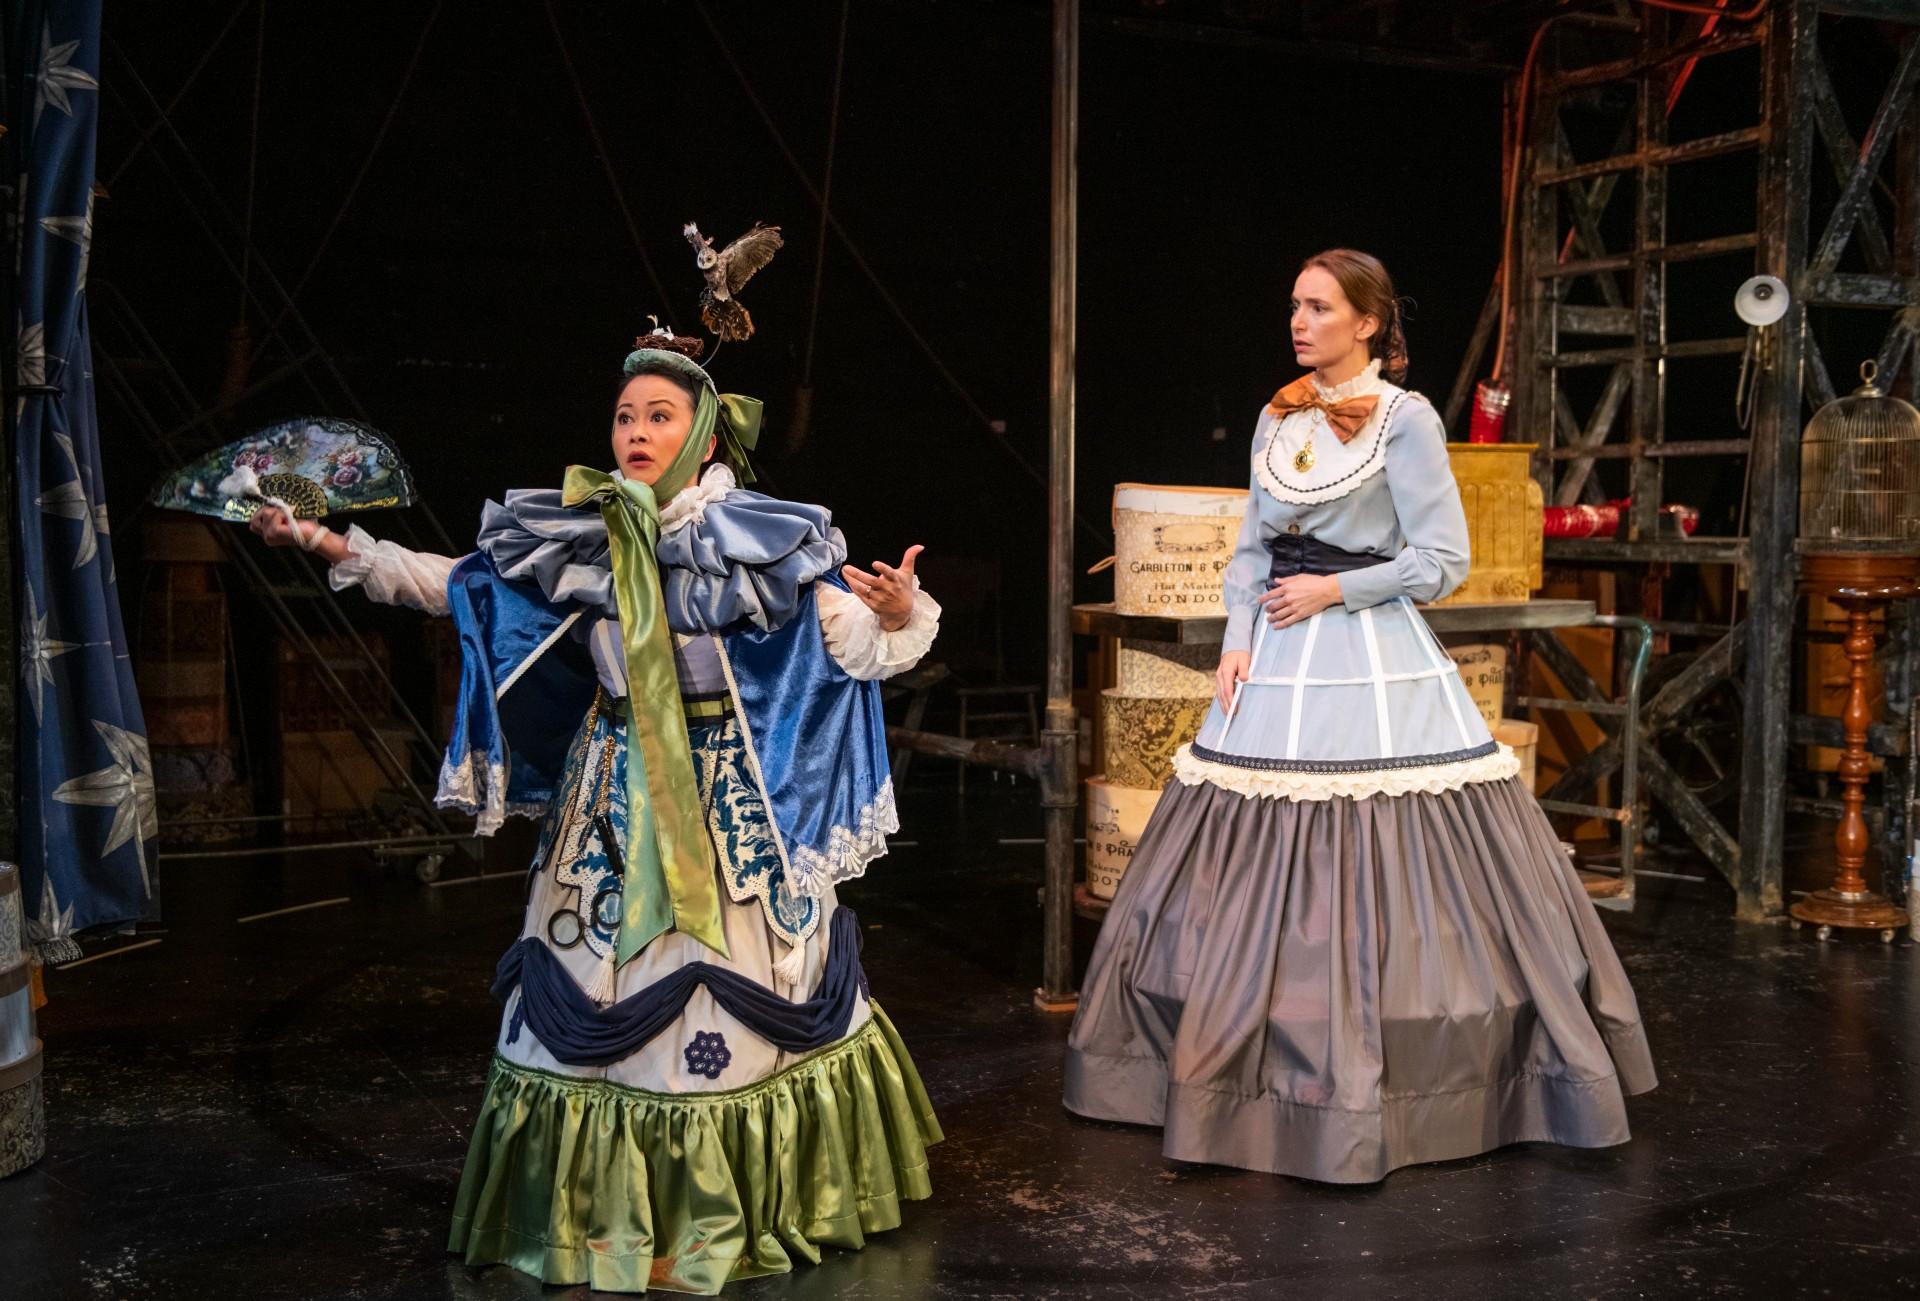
point(1246, 576)
point(1433, 524)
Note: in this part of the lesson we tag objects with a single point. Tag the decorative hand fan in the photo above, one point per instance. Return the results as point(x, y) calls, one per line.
point(315, 465)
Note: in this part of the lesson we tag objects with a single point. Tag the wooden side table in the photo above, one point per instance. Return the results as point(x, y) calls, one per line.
point(1859, 584)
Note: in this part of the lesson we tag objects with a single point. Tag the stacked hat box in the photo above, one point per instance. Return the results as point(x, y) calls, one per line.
point(23, 1119)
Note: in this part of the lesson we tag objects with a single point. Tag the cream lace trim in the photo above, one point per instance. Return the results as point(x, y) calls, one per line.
point(689, 505)
point(463, 788)
point(1271, 784)
point(811, 872)
point(1367, 381)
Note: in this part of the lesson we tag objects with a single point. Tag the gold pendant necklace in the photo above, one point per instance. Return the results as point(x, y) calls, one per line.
point(1304, 458)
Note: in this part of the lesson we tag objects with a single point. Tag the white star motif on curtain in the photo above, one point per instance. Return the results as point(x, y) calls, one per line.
point(38, 651)
point(53, 921)
point(70, 501)
point(80, 231)
point(58, 75)
point(33, 353)
point(101, 530)
point(126, 787)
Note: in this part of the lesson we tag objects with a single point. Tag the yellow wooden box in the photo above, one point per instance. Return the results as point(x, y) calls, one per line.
point(1505, 511)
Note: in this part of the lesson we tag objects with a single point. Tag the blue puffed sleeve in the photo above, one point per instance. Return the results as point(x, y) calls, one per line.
point(523, 690)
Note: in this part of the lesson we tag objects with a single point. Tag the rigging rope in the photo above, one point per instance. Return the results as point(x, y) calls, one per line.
point(826, 195)
point(211, 48)
point(366, 165)
point(606, 162)
point(993, 427)
point(253, 165)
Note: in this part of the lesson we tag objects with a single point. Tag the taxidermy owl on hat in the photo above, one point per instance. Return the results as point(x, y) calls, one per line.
point(727, 272)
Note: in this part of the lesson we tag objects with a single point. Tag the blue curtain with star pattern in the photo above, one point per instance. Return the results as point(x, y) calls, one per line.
point(84, 779)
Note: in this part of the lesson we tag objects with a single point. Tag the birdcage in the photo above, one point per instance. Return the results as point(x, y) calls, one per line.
point(1860, 468)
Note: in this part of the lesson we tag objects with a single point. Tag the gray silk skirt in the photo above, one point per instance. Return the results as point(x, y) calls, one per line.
point(1334, 988)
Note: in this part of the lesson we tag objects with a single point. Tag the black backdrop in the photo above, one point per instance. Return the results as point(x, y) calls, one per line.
point(482, 288)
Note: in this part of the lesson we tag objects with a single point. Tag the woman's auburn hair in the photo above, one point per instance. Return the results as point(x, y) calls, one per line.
point(1363, 278)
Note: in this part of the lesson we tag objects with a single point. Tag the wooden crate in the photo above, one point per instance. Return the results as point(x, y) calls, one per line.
point(1505, 514)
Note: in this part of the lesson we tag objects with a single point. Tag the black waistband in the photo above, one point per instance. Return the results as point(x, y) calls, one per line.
point(1296, 553)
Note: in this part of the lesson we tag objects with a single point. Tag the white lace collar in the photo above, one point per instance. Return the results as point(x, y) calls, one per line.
point(689, 505)
point(1367, 381)
point(1338, 468)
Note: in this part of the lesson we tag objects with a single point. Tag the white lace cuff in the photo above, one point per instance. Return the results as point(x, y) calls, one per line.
point(391, 574)
point(863, 648)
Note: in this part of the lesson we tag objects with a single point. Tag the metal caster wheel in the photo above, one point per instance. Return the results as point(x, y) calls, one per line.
point(428, 868)
point(1794, 923)
point(1824, 934)
point(1886, 936)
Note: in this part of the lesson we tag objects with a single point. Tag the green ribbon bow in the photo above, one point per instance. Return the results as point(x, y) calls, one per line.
point(739, 433)
point(670, 880)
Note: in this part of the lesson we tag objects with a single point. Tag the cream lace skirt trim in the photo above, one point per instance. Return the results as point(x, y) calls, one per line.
point(1281, 785)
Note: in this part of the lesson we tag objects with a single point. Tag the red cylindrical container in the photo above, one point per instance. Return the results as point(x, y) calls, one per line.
point(1488, 423)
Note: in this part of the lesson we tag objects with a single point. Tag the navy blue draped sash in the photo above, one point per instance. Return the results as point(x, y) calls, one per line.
point(580, 1032)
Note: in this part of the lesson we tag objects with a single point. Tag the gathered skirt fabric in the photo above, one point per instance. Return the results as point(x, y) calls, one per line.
point(1335, 988)
point(578, 1180)
point(706, 1153)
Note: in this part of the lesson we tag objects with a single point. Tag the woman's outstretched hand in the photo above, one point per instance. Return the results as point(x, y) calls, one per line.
point(1300, 596)
point(1234, 666)
point(276, 528)
point(888, 591)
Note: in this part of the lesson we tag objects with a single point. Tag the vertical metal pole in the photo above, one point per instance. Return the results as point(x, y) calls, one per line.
point(1059, 789)
point(1630, 795)
point(1772, 572)
point(1645, 418)
point(1533, 338)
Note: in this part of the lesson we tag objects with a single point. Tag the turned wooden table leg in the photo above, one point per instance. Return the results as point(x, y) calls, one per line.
point(1849, 902)
point(1850, 841)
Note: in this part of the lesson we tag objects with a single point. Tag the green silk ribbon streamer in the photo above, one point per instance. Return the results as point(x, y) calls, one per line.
point(669, 880)
point(739, 432)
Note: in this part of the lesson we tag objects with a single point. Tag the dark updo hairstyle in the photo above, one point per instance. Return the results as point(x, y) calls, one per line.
point(1365, 282)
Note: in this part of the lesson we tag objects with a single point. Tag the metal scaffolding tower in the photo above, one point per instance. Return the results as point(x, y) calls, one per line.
point(1598, 357)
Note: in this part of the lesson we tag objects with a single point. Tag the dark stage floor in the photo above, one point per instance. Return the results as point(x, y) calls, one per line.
point(278, 1109)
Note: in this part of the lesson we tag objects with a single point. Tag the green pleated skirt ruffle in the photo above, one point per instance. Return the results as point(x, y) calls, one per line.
point(581, 1181)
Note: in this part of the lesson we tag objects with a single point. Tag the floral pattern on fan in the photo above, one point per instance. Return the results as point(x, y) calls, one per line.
point(320, 465)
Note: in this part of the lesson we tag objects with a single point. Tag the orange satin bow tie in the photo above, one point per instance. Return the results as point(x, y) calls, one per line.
point(1347, 417)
